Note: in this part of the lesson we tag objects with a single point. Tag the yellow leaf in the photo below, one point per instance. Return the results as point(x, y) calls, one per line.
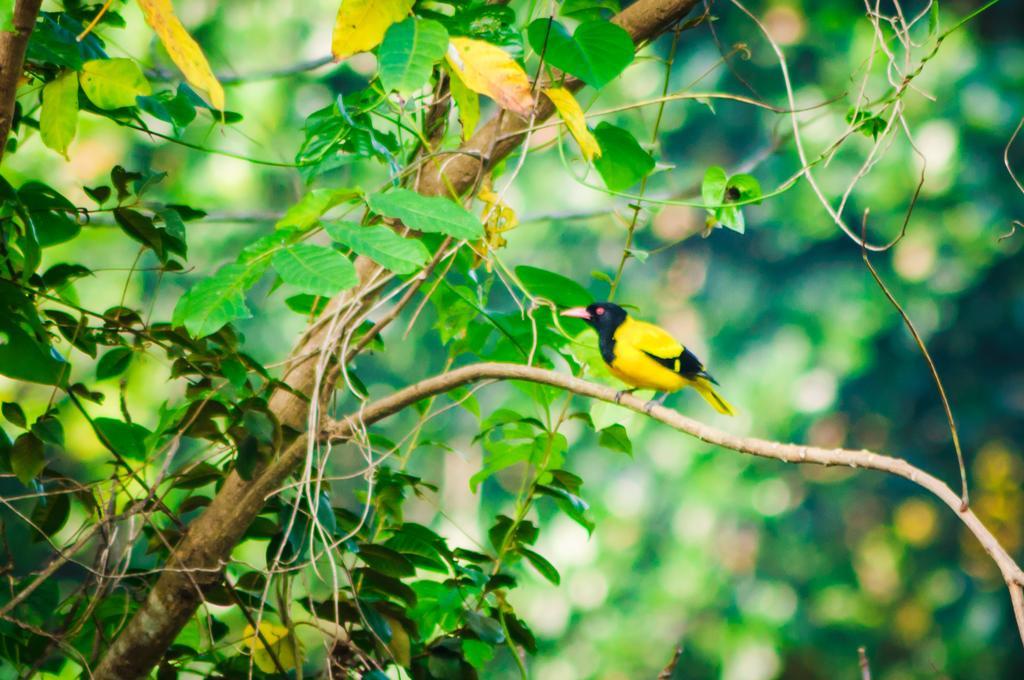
point(284, 646)
point(183, 49)
point(572, 115)
point(498, 218)
point(361, 24)
point(468, 103)
point(489, 70)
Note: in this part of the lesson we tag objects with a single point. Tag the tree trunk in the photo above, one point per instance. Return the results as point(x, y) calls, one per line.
point(12, 62)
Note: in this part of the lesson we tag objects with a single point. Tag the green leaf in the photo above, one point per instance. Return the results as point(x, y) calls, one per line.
point(164, 240)
point(718, 191)
point(24, 358)
point(50, 514)
point(316, 270)
point(377, 622)
point(497, 533)
point(249, 458)
point(444, 664)
point(62, 273)
point(540, 563)
point(14, 415)
point(27, 459)
point(563, 291)
point(409, 52)
point(616, 438)
point(113, 83)
point(216, 301)
point(53, 43)
point(305, 214)
point(623, 162)
point(477, 653)
point(175, 108)
point(431, 214)
point(51, 213)
point(454, 311)
point(866, 122)
point(485, 627)
point(712, 189)
point(467, 102)
point(745, 187)
point(524, 533)
point(382, 245)
point(58, 119)
point(126, 439)
point(596, 53)
point(307, 305)
point(113, 363)
point(731, 216)
point(386, 560)
point(569, 503)
point(424, 554)
point(640, 255)
point(49, 430)
point(505, 456)
point(380, 584)
point(583, 9)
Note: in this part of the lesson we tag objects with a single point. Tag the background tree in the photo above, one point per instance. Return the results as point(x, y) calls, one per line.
point(181, 493)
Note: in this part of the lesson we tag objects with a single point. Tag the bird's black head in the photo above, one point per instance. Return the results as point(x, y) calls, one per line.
point(605, 317)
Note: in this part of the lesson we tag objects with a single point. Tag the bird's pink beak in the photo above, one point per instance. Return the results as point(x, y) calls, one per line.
point(577, 312)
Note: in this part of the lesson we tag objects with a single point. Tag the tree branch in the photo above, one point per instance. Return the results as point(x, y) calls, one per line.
point(12, 62)
point(789, 453)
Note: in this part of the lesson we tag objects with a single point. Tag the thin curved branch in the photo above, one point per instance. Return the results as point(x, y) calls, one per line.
point(789, 453)
point(1006, 155)
point(964, 496)
point(255, 76)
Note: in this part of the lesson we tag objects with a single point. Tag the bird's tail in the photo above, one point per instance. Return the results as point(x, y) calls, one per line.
point(703, 385)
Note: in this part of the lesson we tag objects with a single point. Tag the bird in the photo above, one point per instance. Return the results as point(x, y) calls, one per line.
point(646, 356)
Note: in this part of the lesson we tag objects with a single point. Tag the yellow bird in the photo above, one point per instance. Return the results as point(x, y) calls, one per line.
point(646, 356)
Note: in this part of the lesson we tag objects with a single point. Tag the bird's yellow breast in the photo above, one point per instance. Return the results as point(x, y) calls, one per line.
point(635, 368)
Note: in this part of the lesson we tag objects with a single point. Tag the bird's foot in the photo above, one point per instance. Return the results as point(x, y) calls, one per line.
point(618, 395)
point(649, 406)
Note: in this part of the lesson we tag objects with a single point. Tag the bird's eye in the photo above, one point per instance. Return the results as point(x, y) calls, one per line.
point(599, 311)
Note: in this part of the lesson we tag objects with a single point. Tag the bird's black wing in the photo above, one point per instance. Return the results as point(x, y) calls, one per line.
point(685, 364)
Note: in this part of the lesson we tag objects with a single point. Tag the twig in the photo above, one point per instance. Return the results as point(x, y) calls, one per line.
point(1006, 154)
point(397, 308)
point(964, 497)
point(865, 666)
point(239, 78)
point(1014, 226)
point(666, 674)
point(627, 249)
point(95, 20)
point(1017, 599)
